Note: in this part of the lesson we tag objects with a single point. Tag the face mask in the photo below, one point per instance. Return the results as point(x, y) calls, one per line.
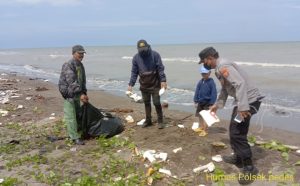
point(144, 52)
point(207, 67)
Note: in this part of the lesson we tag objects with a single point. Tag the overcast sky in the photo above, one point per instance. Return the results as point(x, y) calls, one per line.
point(59, 23)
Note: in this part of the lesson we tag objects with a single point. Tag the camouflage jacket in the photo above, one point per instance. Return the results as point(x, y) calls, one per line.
point(72, 81)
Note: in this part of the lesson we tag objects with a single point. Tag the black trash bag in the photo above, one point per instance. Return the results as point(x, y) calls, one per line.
point(95, 122)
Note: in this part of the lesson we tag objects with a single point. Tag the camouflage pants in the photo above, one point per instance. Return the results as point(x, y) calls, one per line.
point(71, 111)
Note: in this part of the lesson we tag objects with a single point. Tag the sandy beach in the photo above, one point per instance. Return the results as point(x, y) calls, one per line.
point(33, 111)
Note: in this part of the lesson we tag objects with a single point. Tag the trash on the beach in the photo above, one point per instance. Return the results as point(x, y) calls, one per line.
point(1, 180)
point(209, 117)
point(136, 98)
point(53, 114)
point(181, 126)
point(129, 119)
point(51, 118)
point(136, 151)
point(165, 104)
point(298, 151)
point(292, 147)
point(195, 125)
point(162, 155)
point(20, 107)
point(117, 179)
point(165, 171)
point(149, 154)
point(46, 80)
point(161, 91)
point(0, 124)
point(141, 122)
point(73, 149)
point(177, 150)
point(210, 167)
point(218, 144)
point(150, 171)
point(217, 158)
point(251, 144)
point(28, 98)
point(259, 142)
point(3, 112)
point(3, 74)
point(202, 133)
point(118, 151)
point(149, 180)
point(5, 100)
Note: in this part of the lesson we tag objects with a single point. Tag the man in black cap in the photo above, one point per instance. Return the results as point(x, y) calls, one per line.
point(72, 86)
point(148, 66)
point(235, 83)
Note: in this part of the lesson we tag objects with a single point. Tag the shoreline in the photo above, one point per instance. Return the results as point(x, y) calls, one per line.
point(46, 100)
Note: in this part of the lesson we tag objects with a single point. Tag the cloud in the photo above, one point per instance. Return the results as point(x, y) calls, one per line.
point(37, 2)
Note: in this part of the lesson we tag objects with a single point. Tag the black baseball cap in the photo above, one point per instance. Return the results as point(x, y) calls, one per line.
point(209, 51)
point(78, 48)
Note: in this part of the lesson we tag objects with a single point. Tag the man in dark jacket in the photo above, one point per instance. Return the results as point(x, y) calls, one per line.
point(72, 86)
point(148, 66)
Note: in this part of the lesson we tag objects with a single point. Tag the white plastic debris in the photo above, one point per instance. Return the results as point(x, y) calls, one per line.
point(51, 118)
point(46, 80)
point(0, 124)
point(209, 117)
point(162, 155)
point(73, 149)
point(210, 167)
point(149, 154)
point(217, 158)
point(28, 98)
point(298, 151)
point(129, 119)
point(3, 112)
point(118, 151)
point(5, 100)
point(20, 107)
point(181, 126)
point(177, 150)
point(161, 91)
point(1, 180)
point(195, 125)
point(134, 97)
point(152, 156)
point(292, 147)
point(53, 114)
point(165, 171)
point(141, 122)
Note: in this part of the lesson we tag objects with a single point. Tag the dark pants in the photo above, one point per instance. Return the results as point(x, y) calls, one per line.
point(156, 102)
point(238, 134)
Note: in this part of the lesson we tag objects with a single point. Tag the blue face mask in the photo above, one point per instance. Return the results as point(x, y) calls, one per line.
point(207, 67)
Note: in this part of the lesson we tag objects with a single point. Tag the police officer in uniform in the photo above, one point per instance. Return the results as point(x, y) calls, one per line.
point(235, 83)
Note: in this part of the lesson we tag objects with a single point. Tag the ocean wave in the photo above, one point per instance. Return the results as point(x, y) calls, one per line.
point(193, 60)
point(54, 56)
point(267, 64)
point(8, 53)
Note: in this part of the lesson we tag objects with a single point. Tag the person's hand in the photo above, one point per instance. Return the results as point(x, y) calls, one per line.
point(84, 98)
point(129, 88)
point(163, 85)
point(244, 114)
point(213, 108)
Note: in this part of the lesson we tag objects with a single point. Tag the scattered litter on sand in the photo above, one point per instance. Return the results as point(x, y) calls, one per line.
point(129, 119)
point(165, 171)
point(298, 151)
point(217, 158)
point(181, 126)
point(141, 122)
point(177, 150)
point(210, 167)
point(218, 144)
point(20, 107)
point(209, 117)
point(3, 112)
point(195, 125)
point(152, 156)
point(28, 98)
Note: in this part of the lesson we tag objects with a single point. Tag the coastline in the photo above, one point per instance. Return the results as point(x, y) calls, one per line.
point(46, 100)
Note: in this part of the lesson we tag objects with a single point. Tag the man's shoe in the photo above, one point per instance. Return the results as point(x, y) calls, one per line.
point(233, 159)
point(161, 125)
point(147, 124)
point(248, 175)
point(78, 142)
